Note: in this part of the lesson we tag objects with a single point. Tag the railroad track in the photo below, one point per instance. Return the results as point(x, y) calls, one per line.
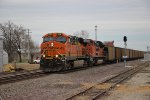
point(98, 90)
point(13, 77)
point(22, 75)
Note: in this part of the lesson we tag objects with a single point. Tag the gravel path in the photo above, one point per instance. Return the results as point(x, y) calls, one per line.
point(137, 88)
point(60, 86)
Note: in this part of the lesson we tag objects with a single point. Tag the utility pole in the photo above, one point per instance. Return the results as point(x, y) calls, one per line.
point(95, 32)
point(28, 45)
point(147, 49)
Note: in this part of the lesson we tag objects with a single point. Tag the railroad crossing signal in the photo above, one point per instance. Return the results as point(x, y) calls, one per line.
point(125, 57)
point(125, 39)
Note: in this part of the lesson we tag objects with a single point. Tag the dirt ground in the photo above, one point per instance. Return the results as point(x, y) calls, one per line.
point(137, 88)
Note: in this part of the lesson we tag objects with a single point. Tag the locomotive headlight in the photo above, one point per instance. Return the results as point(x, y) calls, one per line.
point(52, 44)
point(43, 56)
point(56, 56)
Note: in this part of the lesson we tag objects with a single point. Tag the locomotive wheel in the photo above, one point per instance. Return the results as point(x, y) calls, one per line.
point(69, 65)
point(58, 68)
point(95, 62)
point(90, 64)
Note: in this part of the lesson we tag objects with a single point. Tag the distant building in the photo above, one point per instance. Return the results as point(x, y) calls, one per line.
point(1, 53)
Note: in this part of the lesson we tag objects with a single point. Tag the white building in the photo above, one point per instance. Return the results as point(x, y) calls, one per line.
point(147, 57)
point(3, 55)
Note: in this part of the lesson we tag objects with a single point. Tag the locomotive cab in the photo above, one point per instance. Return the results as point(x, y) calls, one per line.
point(60, 51)
point(53, 50)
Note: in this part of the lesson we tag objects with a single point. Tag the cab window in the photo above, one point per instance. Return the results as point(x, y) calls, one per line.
point(46, 39)
point(61, 39)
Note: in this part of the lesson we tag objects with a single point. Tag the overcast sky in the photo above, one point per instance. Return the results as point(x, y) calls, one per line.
point(114, 18)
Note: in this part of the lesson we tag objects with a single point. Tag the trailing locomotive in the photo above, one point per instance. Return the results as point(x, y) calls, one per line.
point(60, 51)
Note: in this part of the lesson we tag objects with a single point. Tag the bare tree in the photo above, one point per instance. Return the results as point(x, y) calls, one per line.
point(15, 39)
point(19, 33)
point(84, 34)
point(32, 47)
point(7, 30)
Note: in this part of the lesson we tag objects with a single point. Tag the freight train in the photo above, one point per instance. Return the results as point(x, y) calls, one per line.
point(60, 51)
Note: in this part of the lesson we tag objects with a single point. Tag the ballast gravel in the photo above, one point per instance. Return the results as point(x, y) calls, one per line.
point(61, 86)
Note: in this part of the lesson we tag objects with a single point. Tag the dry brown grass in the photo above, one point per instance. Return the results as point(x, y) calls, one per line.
point(25, 66)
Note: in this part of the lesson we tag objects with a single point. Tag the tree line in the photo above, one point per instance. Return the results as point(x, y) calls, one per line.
point(16, 39)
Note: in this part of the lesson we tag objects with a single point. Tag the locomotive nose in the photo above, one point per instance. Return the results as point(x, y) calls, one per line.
point(53, 50)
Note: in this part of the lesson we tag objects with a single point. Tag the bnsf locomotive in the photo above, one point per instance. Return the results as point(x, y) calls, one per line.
point(60, 51)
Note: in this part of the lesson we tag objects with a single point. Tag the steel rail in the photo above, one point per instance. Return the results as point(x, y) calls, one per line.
point(20, 76)
point(93, 93)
